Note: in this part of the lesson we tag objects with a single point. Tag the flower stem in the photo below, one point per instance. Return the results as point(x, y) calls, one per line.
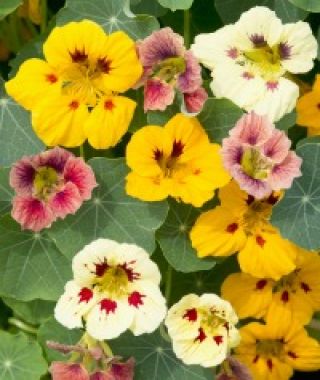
point(44, 16)
point(82, 154)
point(22, 326)
point(168, 284)
point(186, 28)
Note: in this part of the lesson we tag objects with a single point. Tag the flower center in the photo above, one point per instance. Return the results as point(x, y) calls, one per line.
point(269, 347)
point(257, 214)
point(114, 282)
point(211, 320)
point(169, 68)
point(265, 59)
point(45, 182)
point(255, 164)
point(170, 164)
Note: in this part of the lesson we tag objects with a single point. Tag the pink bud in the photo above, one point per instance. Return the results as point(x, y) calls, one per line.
point(68, 371)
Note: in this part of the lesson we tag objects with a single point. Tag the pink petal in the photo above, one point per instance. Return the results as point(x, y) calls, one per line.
point(194, 101)
point(283, 174)
point(157, 95)
point(160, 45)
point(255, 187)
point(22, 175)
point(68, 371)
point(101, 376)
point(277, 146)
point(31, 213)
point(191, 79)
point(81, 175)
point(252, 129)
point(55, 158)
point(231, 153)
point(67, 201)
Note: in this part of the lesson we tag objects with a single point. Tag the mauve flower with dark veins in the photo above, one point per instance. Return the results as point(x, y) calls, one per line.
point(232, 369)
point(48, 186)
point(68, 371)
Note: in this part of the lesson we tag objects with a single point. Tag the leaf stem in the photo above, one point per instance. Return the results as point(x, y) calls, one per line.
point(23, 326)
point(186, 28)
point(44, 16)
point(168, 284)
point(82, 154)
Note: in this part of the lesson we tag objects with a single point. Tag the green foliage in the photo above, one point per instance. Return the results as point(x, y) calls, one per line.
point(297, 214)
point(6, 191)
point(20, 358)
point(112, 15)
point(176, 4)
point(111, 213)
point(150, 7)
point(8, 6)
point(308, 5)
point(287, 121)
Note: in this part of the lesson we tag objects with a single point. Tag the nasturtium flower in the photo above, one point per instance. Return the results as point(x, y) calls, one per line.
point(232, 369)
point(308, 109)
point(176, 160)
point(169, 66)
point(241, 223)
point(258, 156)
point(274, 351)
point(115, 287)
point(295, 296)
point(67, 371)
point(251, 61)
point(202, 329)
point(48, 186)
point(77, 85)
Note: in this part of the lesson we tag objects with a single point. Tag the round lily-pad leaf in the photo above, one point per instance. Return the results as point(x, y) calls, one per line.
point(307, 5)
point(6, 192)
point(176, 4)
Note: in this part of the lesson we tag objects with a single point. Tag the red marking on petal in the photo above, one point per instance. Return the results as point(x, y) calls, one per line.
point(247, 75)
point(196, 172)
point(318, 106)
point(232, 228)
point(74, 105)
point(285, 296)
point(270, 364)
point(272, 85)
point(260, 241)
point(109, 306)
point(101, 268)
point(218, 339)
point(232, 53)
point(177, 149)
point(273, 199)
point(129, 271)
point(226, 326)
point(191, 315)
point(292, 355)
point(157, 154)
point(202, 336)
point(51, 78)
point(104, 65)
point(136, 299)
point(255, 359)
point(109, 105)
point(85, 295)
point(250, 200)
point(261, 284)
point(305, 287)
point(78, 56)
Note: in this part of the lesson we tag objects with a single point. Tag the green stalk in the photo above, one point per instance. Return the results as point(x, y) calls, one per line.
point(168, 284)
point(44, 16)
point(186, 28)
point(82, 154)
point(23, 326)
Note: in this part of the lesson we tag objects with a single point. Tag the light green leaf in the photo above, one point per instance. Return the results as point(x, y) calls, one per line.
point(307, 5)
point(287, 121)
point(155, 359)
point(31, 267)
point(34, 312)
point(231, 10)
point(6, 192)
point(297, 215)
point(112, 15)
point(174, 239)
point(150, 7)
point(20, 358)
point(8, 6)
point(176, 4)
point(218, 117)
point(111, 213)
point(52, 330)
point(16, 135)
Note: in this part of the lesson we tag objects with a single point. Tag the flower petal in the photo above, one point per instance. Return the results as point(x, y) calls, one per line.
point(65, 201)
point(22, 176)
point(283, 174)
point(190, 80)
point(157, 95)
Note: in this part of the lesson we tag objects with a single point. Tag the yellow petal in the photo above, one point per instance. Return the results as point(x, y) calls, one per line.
point(308, 110)
point(232, 197)
point(146, 188)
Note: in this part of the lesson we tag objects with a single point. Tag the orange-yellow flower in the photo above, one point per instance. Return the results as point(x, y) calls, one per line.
point(176, 160)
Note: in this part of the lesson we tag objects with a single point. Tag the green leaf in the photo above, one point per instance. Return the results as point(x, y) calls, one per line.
point(307, 5)
point(176, 4)
point(31, 267)
point(218, 117)
point(20, 358)
point(150, 7)
point(155, 359)
point(16, 135)
point(112, 15)
point(110, 213)
point(34, 312)
point(52, 330)
point(287, 121)
point(161, 118)
point(231, 10)
point(297, 215)
point(6, 192)
point(140, 117)
point(173, 238)
point(8, 6)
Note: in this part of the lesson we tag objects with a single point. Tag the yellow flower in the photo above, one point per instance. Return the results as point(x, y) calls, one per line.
point(85, 65)
point(241, 224)
point(274, 351)
point(308, 109)
point(176, 160)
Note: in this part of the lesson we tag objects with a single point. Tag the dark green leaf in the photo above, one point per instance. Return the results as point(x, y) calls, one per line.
point(150, 7)
point(287, 121)
point(8, 6)
point(111, 213)
point(6, 192)
point(307, 5)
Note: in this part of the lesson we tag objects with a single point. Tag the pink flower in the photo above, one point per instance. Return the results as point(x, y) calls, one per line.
point(118, 371)
point(48, 186)
point(68, 371)
point(194, 101)
point(258, 156)
point(168, 66)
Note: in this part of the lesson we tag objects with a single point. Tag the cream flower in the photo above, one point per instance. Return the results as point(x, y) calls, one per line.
point(251, 61)
point(202, 329)
point(115, 288)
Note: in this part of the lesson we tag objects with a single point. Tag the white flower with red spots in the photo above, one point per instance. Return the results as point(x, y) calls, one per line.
point(252, 60)
point(115, 288)
point(202, 329)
